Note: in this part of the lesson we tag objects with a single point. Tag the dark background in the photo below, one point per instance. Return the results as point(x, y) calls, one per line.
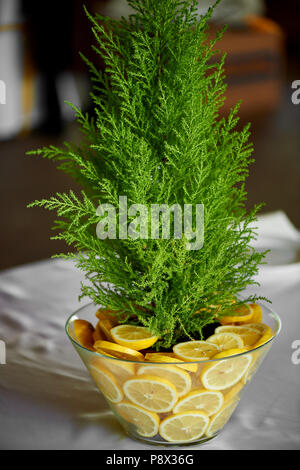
point(54, 32)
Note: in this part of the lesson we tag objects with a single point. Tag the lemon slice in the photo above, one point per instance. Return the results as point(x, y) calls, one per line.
point(84, 333)
point(106, 383)
point(184, 427)
point(261, 327)
point(134, 337)
point(98, 335)
point(251, 369)
point(121, 370)
point(116, 350)
point(220, 419)
point(225, 373)
point(233, 391)
point(106, 322)
point(146, 422)
point(226, 340)
point(170, 357)
point(249, 335)
point(209, 401)
point(256, 361)
point(242, 313)
point(107, 314)
point(256, 313)
point(105, 326)
point(263, 339)
point(195, 350)
point(151, 393)
point(178, 377)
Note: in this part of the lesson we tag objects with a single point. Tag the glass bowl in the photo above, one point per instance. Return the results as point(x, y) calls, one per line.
point(172, 403)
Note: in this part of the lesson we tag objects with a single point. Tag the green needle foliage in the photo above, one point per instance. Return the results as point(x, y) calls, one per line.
point(157, 137)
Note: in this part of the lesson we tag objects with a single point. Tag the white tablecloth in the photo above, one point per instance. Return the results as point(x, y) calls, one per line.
point(47, 400)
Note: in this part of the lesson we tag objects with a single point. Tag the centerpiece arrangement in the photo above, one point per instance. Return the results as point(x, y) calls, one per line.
point(173, 342)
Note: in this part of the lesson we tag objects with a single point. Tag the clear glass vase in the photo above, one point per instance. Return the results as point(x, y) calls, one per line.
point(171, 403)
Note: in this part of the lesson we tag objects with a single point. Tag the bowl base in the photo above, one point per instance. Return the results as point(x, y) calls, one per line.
point(156, 441)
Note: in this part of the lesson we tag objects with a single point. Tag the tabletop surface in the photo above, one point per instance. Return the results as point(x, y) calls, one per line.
point(48, 401)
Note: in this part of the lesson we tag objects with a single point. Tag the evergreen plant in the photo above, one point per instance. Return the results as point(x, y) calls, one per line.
point(156, 136)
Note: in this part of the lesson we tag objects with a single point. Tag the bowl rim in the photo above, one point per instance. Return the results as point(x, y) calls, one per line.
point(74, 316)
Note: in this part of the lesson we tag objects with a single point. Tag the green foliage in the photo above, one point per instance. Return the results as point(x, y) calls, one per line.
point(157, 137)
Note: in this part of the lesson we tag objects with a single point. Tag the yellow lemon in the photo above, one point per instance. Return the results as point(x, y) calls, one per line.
point(257, 358)
point(116, 350)
point(195, 350)
point(107, 320)
point(256, 313)
point(98, 335)
point(209, 401)
point(146, 422)
point(220, 419)
point(226, 340)
point(264, 339)
point(107, 314)
point(120, 369)
point(178, 377)
point(225, 373)
point(170, 357)
point(232, 392)
point(84, 331)
point(106, 383)
point(248, 335)
point(261, 327)
point(134, 337)
point(184, 427)
point(151, 393)
point(242, 313)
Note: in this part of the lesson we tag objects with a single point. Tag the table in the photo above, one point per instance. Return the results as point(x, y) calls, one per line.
point(47, 400)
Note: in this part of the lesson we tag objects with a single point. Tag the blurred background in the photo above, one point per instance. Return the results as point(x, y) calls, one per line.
point(40, 68)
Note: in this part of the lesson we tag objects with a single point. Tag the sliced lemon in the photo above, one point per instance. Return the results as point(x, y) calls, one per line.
point(230, 352)
point(151, 393)
point(106, 322)
point(209, 401)
point(256, 313)
point(116, 350)
point(105, 326)
point(226, 340)
point(184, 427)
point(134, 337)
point(122, 370)
point(233, 391)
point(256, 361)
point(178, 377)
point(106, 383)
point(225, 373)
point(249, 335)
point(84, 333)
point(107, 314)
point(195, 350)
point(146, 422)
point(262, 340)
point(255, 317)
point(170, 357)
point(251, 370)
point(220, 419)
point(98, 335)
point(242, 313)
point(261, 327)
